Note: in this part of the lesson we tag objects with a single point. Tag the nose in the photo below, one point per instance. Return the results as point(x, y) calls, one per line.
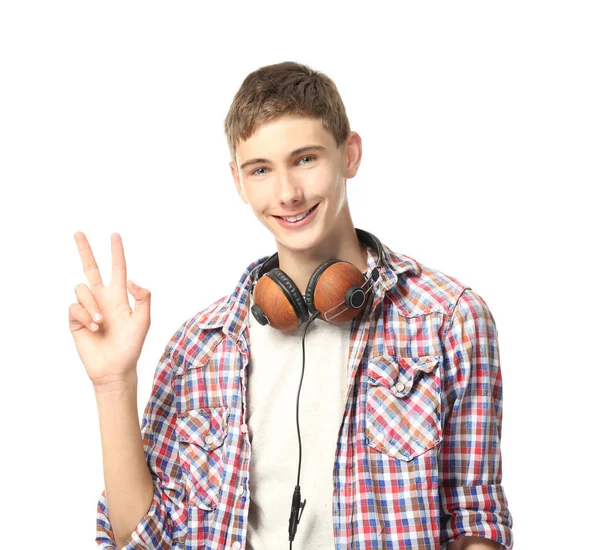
point(288, 191)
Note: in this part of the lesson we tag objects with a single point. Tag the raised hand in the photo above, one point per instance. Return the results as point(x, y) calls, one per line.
point(110, 346)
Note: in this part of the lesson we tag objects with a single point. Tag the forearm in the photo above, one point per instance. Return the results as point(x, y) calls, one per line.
point(127, 479)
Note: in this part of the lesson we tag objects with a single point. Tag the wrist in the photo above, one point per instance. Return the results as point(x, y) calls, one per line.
point(118, 383)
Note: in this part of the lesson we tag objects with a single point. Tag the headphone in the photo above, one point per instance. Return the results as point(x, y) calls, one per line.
point(335, 284)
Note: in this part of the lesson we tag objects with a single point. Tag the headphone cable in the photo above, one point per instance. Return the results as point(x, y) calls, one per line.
point(297, 506)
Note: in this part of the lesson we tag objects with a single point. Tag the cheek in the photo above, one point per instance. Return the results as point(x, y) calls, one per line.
point(335, 193)
point(322, 183)
point(257, 200)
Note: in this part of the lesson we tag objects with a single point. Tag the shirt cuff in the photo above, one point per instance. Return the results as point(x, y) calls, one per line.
point(478, 511)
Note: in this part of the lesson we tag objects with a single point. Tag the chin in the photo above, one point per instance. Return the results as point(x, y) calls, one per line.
point(301, 242)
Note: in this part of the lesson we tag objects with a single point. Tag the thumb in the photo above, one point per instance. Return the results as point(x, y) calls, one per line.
point(142, 299)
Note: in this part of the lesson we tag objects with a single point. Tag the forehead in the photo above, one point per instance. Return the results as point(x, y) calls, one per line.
point(278, 137)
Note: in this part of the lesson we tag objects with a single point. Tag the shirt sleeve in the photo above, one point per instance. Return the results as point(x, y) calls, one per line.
point(165, 523)
point(472, 498)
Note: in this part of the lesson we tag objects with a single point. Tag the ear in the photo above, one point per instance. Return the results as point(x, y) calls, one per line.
point(236, 179)
point(352, 154)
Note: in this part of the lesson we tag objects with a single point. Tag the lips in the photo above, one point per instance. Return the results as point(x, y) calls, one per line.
point(306, 212)
point(303, 222)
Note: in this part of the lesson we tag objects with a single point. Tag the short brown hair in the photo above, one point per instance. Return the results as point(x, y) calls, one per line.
point(286, 88)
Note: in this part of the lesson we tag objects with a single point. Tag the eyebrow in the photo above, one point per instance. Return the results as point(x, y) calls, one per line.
point(292, 154)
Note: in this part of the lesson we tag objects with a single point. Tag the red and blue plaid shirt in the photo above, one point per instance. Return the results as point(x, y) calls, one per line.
point(417, 463)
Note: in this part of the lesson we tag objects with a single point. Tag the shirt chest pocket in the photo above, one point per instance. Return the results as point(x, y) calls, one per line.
point(402, 413)
point(201, 434)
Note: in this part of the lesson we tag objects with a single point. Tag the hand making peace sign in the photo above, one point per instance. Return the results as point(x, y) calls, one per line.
point(111, 351)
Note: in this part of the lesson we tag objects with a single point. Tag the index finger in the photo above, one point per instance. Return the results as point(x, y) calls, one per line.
point(90, 267)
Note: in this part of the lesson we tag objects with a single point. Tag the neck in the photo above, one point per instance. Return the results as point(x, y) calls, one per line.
point(343, 244)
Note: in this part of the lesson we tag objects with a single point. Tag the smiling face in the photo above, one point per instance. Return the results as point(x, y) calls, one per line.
point(290, 165)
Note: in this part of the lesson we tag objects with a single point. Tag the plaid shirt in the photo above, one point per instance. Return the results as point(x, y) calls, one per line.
point(417, 463)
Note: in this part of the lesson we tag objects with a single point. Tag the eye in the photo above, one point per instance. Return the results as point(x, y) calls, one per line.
point(254, 172)
point(310, 157)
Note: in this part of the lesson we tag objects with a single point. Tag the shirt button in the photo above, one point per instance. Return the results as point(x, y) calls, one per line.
point(209, 439)
point(236, 545)
point(400, 386)
point(240, 490)
point(244, 428)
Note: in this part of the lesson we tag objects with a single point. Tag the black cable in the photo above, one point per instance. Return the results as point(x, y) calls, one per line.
point(297, 506)
point(313, 317)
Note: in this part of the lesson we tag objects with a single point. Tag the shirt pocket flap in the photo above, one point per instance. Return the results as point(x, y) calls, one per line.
point(206, 428)
point(425, 363)
point(398, 373)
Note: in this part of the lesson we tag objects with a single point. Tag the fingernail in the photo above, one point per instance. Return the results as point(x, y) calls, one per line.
point(94, 326)
point(97, 316)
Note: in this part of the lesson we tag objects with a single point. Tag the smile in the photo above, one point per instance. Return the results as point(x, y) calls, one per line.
point(300, 219)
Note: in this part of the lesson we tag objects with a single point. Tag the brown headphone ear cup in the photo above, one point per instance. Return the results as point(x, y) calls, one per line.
point(330, 288)
point(280, 300)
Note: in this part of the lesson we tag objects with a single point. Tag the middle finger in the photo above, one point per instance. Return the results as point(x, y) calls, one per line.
point(119, 267)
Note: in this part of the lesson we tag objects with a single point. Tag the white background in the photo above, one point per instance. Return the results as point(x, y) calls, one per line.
point(480, 127)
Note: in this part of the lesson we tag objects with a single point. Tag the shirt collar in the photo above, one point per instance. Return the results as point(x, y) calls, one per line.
point(230, 313)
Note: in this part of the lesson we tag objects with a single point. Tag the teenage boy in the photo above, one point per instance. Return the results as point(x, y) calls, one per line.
point(401, 405)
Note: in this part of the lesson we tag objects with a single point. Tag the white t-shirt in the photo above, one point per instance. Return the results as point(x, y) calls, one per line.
point(274, 375)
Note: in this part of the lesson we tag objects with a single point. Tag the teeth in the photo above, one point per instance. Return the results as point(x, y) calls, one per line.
point(297, 218)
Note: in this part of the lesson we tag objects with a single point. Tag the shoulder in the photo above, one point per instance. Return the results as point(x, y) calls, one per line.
point(471, 317)
point(219, 322)
point(425, 289)
point(197, 335)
